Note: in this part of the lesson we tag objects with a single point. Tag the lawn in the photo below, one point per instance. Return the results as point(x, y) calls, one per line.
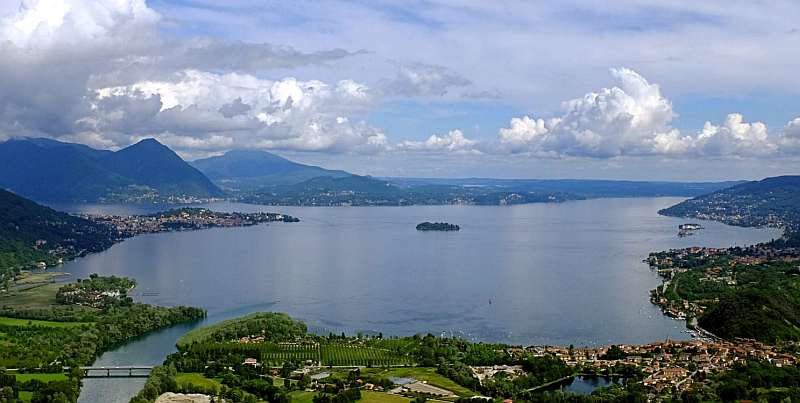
point(427, 374)
point(378, 397)
point(25, 396)
point(27, 322)
point(196, 379)
point(41, 377)
point(301, 396)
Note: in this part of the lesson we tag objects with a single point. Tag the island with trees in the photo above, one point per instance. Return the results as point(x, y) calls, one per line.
point(437, 226)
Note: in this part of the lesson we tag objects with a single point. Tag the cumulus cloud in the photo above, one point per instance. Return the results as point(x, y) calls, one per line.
point(631, 119)
point(734, 137)
point(452, 142)
point(43, 24)
point(635, 119)
point(98, 72)
point(202, 110)
point(790, 140)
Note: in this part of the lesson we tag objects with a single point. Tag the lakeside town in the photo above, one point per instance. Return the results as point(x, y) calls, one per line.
point(185, 219)
point(665, 368)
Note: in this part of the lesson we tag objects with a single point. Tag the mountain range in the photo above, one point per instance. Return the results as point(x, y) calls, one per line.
point(148, 171)
point(249, 170)
point(49, 170)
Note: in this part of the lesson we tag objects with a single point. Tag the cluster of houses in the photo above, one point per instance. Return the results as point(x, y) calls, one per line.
point(673, 363)
point(184, 219)
point(488, 372)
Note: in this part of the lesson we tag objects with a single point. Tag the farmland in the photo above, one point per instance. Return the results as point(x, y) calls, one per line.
point(357, 355)
point(38, 323)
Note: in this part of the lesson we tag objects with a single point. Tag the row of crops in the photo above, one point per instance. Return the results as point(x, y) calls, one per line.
point(344, 355)
point(331, 354)
point(275, 355)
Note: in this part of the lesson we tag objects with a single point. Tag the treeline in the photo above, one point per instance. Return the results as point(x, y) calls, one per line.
point(269, 326)
point(750, 381)
point(72, 335)
point(770, 315)
point(30, 232)
point(41, 392)
point(36, 346)
point(453, 358)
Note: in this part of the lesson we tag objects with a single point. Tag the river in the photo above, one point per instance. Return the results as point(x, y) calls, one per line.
point(567, 273)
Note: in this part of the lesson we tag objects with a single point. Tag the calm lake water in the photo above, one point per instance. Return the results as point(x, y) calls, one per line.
point(585, 385)
point(568, 273)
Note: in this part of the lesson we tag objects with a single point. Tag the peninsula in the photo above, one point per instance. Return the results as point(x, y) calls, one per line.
point(184, 219)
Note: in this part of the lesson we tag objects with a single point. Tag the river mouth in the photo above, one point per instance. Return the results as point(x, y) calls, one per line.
point(541, 274)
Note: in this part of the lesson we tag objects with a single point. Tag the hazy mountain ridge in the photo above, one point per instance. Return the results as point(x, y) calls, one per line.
point(369, 191)
point(44, 169)
point(248, 170)
point(588, 188)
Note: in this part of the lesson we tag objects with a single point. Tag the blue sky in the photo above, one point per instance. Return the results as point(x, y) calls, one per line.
point(622, 89)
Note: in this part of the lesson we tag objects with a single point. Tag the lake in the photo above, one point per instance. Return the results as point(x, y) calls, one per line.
point(558, 274)
point(585, 385)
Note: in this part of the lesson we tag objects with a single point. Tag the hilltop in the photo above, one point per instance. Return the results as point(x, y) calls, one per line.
point(768, 202)
point(242, 170)
point(50, 170)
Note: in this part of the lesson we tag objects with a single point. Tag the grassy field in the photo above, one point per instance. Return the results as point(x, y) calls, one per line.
point(27, 277)
point(184, 379)
point(378, 397)
point(366, 397)
point(33, 298)
point(301, 396)
point(25, 396)
point(45, 323)
point(422, 374)
point(41, 377)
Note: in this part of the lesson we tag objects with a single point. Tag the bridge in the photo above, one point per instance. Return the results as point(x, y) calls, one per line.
point(128, 371)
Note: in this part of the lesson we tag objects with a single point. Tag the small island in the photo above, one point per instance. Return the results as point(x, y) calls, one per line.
point(688, 229)
point(437, 226)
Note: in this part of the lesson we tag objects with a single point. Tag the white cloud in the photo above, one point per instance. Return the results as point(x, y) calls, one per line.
point(633, 119)
point(99, 72)
point(790, 139)
point(286, 114)
point(41, 24)
point(452, 142)
point(523, 132)
point(734, 137)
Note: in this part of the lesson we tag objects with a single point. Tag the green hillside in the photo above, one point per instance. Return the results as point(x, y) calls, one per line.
point(30, 233)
